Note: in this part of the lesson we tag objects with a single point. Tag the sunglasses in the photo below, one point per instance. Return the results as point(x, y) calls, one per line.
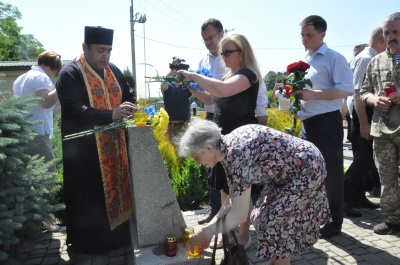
point(228, 53)
point(211, 37)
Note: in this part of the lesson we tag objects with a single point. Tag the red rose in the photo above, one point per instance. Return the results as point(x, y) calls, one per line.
point(289, 94)
point(389, 91)
point(288, 88)
point(299, 66)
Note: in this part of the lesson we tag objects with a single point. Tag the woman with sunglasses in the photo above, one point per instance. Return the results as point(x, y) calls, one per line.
point(235, 98)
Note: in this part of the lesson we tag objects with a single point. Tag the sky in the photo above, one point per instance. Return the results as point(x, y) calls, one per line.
point(173, 28)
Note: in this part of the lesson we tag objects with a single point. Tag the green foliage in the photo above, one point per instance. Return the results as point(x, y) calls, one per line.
point(190, 184)
point(273, 103)
point(9, 30)
point(26, 193)
point(14, 45)
point(129, 77)
point(271, 78)
point(131, 81)
point(28, 48)
point(282, 120)
point(189, 180)
point(56, 142)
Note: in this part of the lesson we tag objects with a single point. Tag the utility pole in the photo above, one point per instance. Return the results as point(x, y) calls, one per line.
point(140, 19)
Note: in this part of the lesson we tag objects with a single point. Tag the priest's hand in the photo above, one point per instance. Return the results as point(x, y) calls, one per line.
point(122, 111)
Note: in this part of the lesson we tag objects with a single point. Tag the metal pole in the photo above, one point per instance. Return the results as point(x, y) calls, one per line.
point(144, 50)
point(133, 49)
point(132, 218)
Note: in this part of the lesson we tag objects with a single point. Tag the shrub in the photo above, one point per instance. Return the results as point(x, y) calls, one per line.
point(25, 194)
point(281, 120)
point(190, 184)
point(189, 180)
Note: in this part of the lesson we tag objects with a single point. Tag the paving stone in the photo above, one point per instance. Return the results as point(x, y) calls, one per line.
point(391, 259)
point(39, 251)
point(117, 252)
point(117, 259)
point(375, 259)
point(65, 259)
point(382, 244)
point(42, 245)
point(34, 261)
point(318, 261)
point(373, 249)
point(395, 250)
point(310, 256)
point(54, 244)
point(84, 261)
point(338, 251)
point(100, 259)
point(50, 260)
point(53, 251)
point(359, 251)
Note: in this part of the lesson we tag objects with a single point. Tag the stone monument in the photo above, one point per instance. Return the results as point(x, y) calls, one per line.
point(156, 209)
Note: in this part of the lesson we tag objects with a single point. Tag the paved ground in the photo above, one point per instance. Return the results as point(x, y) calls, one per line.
point(357, 244)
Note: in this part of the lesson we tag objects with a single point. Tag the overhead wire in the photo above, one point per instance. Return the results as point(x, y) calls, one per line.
point(181, 14)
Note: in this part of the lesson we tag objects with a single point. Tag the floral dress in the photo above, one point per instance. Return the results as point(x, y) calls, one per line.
point(293, 204)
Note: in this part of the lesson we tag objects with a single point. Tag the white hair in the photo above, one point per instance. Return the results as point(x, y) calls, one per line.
point(393, 17)
point(199, 135)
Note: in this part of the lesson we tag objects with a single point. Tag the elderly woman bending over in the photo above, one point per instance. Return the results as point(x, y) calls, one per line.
point(293, 203)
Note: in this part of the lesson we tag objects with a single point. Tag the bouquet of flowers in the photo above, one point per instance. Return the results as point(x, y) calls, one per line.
point(296, 81)
point(203, 71)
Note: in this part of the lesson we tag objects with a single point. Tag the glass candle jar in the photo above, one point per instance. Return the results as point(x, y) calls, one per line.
point(196, 250)
point(171, 246)
point(186, 235)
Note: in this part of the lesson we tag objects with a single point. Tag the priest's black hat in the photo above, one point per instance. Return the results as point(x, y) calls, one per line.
point(98, 35)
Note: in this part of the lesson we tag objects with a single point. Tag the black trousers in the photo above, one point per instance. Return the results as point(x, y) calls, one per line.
point(326, 133)
point(362, 173)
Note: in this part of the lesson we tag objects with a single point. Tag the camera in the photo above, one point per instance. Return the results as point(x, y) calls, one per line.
point(178, 65)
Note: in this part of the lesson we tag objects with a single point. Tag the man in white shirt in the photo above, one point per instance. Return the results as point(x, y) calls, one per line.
point(332, 81)
point(354, 192)
point(193, 106)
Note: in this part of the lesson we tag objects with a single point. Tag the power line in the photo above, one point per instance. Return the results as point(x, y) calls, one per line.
point(267, 48)
point(183, 15)
point(169, 44)
point(173, 18)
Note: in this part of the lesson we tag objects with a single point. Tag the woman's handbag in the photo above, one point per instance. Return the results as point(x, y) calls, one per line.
point(233, 255)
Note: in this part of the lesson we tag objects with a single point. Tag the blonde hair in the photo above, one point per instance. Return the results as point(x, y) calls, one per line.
point(247, 58)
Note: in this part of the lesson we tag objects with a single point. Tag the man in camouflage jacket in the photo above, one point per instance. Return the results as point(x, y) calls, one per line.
point(383, 73)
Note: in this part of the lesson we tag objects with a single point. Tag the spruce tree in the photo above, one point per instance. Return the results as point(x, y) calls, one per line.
point(26, 186)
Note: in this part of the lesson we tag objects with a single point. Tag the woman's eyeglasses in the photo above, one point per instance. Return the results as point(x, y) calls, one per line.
point(228, 53)
point(211, 37)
